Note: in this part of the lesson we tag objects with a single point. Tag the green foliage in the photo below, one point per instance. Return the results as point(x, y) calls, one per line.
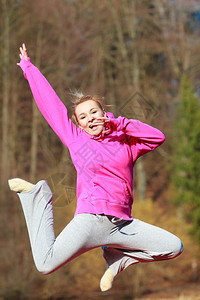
point(186, 158)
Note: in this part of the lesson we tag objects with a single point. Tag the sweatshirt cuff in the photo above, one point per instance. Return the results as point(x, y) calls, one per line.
point(24, 64)
point(116, 124)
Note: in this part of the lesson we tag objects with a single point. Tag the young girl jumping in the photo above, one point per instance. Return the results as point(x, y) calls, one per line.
point(104, 150)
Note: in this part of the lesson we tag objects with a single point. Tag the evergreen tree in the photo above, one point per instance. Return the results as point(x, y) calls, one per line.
point(186, 158)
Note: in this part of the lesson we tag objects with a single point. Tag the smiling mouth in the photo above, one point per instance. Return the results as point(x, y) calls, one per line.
point(92, 126)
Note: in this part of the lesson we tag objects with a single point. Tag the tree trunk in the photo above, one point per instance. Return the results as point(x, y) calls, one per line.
point(35, 114)
point(5, 98)
point(165, 26)
point(140, 168)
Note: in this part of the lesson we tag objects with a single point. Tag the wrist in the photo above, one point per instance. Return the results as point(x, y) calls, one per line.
point(24, 63)
point(115, 124)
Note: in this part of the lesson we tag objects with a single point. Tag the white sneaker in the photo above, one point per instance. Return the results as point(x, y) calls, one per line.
point(19, 185)
point(106, 280)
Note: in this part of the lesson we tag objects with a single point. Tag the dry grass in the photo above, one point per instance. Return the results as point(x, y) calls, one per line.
point(191, 292)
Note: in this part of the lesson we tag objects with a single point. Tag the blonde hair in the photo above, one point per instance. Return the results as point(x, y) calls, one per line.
point(79, 97)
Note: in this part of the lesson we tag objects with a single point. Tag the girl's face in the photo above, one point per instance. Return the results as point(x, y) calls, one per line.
point(87, 113)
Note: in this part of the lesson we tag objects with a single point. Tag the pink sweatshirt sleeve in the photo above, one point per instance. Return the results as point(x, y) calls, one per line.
point(143, 137)
point(49, 104)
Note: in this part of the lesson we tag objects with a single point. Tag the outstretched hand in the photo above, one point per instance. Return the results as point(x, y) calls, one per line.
point(23, 53)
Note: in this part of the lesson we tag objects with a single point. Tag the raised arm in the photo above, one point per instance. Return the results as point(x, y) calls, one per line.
point(49, 104)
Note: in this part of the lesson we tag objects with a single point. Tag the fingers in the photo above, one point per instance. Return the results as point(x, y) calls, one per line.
point(106, 131)
point(98, 123)
point(23, 52)
point(24, 46)
point(104, 119)
point(101, 121)
point(23, 49)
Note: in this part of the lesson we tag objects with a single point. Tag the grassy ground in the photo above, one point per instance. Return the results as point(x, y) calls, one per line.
point(189, 292)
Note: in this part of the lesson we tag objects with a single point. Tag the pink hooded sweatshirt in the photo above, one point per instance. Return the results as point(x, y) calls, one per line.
point(104, 164)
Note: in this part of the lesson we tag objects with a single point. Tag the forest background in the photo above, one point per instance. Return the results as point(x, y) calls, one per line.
point(143, 57)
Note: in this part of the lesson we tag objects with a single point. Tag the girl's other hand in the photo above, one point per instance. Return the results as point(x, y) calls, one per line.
point(107, 124)
point(103, 120)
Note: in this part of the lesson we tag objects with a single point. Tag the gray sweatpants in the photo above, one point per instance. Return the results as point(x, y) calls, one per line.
point(123, 242)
